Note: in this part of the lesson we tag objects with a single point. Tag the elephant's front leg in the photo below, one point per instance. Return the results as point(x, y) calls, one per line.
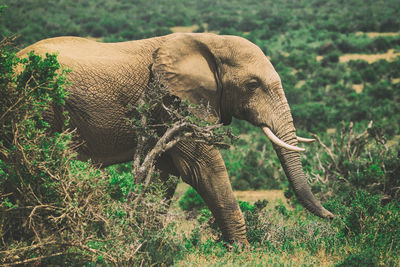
point(203, 168)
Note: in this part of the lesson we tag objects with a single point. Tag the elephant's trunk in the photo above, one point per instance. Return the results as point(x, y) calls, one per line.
point(291, 163)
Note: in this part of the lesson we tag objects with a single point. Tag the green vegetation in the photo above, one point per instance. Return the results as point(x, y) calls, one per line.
point(192, 201)
point(358, 180)
point(123, 20)
point(354, 169)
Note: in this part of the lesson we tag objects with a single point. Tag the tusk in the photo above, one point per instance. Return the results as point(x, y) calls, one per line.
point(278, 141)
point(305, 140)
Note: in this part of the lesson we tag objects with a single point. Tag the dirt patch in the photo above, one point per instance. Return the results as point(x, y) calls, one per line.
point(192, 28)
point(245, 195)
point(331, 131)
point(328, 87)
point(180, 191)
point(396, 80)
point(185, 29)
point(300, 83)
point(390, 55)
point(394, 142)
point(378, 34)
point(253, 196)
point(358, 88)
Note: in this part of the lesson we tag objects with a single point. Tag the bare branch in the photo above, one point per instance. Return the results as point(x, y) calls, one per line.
point(329, 151)
point(165, 122)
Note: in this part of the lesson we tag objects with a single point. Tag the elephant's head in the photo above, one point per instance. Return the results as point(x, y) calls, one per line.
point(235, 77)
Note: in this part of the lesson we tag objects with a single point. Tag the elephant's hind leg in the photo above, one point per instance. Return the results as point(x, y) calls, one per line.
point(202, 167)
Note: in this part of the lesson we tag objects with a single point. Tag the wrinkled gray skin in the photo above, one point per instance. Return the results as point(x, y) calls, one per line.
point(229, 72)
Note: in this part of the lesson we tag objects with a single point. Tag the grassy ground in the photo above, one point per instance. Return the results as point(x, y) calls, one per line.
point(273, 196)
point(260, 258)
point(210, 253)
point(288, 236)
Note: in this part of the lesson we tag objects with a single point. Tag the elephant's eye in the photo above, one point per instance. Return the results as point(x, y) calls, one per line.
point(252, 84)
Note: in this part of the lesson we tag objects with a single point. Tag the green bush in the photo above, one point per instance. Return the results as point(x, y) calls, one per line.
point(326, 48)
point(355, 77)
point(346, 46)
point(363, 258)
point(192, 201)
point(367, 224)
point(332, 57)
point(251, 163)
point(369, 75)
point(379, 45)
point(358, 181)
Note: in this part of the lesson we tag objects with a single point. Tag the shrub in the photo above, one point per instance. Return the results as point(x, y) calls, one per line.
point(355, 77)
point(310, 115)
point(380, 90)
point(326, 48)
point(379, 44)
point(389, 25)
point(346, 47)
point(192, 201)
point(359, 259)
point(369, 75)
point(367, 224)
point(358, 159)
point(332, 57)
point(359, 168)
point(250, 168)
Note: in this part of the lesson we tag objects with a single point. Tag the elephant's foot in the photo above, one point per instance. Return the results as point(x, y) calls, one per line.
point(233, 227)
point(238, 246)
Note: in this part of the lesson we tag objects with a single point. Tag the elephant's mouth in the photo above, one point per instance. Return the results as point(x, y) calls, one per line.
point(276, 140)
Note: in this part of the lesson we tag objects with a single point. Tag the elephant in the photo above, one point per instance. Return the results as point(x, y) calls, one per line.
point(229, 73)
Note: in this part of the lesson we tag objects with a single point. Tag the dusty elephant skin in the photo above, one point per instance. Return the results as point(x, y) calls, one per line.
point(228, 72)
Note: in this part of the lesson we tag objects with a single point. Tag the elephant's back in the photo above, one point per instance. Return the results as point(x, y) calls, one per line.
point(77, 51)
point(106, 78)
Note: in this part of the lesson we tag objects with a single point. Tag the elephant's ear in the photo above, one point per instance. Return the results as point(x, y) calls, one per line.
point(187, 65)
